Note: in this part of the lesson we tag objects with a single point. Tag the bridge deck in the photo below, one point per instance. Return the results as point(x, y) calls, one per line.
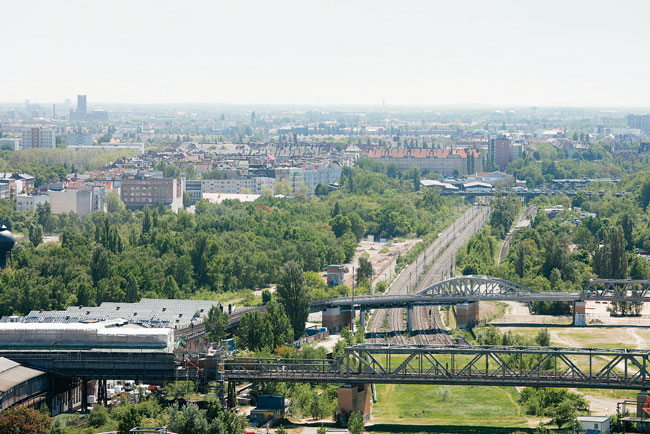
point(469, 365)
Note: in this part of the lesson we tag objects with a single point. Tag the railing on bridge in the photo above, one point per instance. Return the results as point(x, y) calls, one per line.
point(471, 365)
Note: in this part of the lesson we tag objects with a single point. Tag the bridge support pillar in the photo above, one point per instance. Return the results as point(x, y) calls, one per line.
point(335, 318)
point(467, 315)
point(641, 402)
point(84, 394)
point(355, 397)
point(409, 319)
point(579, 313)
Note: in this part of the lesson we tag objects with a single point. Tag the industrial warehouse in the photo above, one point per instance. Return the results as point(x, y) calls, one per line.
point(150, 326)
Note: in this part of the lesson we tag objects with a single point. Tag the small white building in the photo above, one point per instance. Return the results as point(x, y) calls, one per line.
point(28, 203)
point(594, 424)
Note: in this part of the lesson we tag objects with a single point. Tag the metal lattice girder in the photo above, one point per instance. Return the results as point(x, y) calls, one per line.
point(617, 290)
point(476, 285)
point(463, 289)
point(478, 365)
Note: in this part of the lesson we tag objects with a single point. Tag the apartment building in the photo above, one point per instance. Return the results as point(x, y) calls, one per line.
point(256, 185)
point(140, 192)
point(79, 139)
point(12, 184)
point(38, 137)
point(308, 176)
point(29, 203)
point(443, 161)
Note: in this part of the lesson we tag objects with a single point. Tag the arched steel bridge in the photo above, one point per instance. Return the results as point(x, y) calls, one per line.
point(464, 289)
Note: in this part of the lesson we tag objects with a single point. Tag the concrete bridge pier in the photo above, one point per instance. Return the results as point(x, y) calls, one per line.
point(354, 397)
point(467, 315)
point(84, 394)
point(409, 319)
point(579, 313)
point(335, 318)
point(642, 403)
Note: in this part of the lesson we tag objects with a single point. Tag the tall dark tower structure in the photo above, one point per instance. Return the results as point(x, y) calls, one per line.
point(7, 242)
point(81, 104)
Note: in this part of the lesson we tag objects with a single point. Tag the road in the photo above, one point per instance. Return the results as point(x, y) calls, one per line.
point(389, 325)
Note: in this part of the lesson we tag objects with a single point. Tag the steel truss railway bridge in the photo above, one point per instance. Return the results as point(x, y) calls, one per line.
point(457, 365)
point(469, 289)
point(371, 363)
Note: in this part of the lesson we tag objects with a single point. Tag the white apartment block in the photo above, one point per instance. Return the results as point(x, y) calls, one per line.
point(79, 139)
point(235, 186)
point(38, 137)
point(309, 176)
point(28, 203)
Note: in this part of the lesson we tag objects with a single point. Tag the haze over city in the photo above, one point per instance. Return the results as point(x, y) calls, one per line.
point(499, 53)
point(324, 217)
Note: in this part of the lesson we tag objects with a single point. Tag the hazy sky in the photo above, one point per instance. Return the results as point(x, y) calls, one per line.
point(578, 53)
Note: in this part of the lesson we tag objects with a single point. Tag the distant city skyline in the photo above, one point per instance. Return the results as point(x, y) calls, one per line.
point(328, 52)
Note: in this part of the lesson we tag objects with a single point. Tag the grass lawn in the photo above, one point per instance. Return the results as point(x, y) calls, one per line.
point(472, 406)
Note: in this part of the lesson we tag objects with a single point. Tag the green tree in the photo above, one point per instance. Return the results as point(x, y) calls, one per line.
point(23, 420)
point(321, 190)
point(189, 420)
point(131, 418)
point(216, 324)
point(564, 413)
point(415, 176)
point(253, 332)
point(356, 424)
point(113, 202)
point(98, 416)
point(279, 323)
point(35, 234)
point(357, 225)
point(340, 225)
point(365, 270)
point(187, 200)
point(44, 216)
point(294, 296)
point(170, 289)
point(543, 338)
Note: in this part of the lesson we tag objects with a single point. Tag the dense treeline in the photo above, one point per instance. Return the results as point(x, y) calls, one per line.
point(562, 253)
point(124, 256)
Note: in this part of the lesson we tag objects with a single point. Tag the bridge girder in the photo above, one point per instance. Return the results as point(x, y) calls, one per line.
point(617, 290)
point(470, 365)
point(483, 286)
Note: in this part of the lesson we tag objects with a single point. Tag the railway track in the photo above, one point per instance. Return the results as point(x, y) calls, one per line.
point(389, 325)
point(427, 323)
